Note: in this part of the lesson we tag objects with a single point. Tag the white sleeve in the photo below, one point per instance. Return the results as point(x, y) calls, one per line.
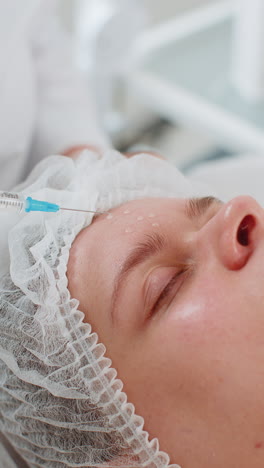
point(65, 113)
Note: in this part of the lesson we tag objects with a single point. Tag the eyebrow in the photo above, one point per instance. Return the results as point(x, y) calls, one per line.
point(154, 243)
point(197, 207)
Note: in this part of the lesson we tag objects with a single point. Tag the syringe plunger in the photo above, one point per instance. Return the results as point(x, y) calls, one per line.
point(11, 202)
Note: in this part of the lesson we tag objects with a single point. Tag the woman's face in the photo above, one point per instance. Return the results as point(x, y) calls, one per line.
point(175, 290)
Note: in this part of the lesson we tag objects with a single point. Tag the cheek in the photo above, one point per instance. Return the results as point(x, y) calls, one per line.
point(220, 321)
point(214, 342)
point(208, 315)
point(193, 343)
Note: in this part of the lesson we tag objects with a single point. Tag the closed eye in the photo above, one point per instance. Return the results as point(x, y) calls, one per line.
point(171, 286)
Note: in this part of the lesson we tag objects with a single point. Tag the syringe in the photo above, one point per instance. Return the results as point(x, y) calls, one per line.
point(17, 203)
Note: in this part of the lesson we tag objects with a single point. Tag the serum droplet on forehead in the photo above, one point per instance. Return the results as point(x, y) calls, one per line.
point(128, 229)
point(155, 224)
point(151, 215)
point(110, 216)
point(126, 212)
point(140, 218)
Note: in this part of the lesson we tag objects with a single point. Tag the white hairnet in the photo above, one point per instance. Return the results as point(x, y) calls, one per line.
point(61, 403)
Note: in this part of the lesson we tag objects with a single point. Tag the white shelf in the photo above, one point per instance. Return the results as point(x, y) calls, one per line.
point(183, 72)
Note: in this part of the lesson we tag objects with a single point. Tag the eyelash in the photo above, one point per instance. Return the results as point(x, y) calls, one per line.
point(168, 288)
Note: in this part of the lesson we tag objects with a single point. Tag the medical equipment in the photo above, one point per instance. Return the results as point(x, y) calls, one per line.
point(17, 203)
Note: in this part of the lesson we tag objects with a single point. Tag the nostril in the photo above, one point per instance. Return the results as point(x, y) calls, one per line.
point(244, 230)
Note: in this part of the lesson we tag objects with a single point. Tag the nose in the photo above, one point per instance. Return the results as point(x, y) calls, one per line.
point(234, 232)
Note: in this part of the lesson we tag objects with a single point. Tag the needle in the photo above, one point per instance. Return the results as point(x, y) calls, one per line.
point(83, 211)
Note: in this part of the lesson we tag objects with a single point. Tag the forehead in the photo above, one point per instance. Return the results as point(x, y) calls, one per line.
point(147, 207)
point(138, 215)
point(124, 224)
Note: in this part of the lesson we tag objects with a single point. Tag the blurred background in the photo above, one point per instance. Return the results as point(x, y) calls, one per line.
point(167, 74)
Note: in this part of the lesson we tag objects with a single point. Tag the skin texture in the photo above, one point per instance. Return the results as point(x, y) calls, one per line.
point(194, 368)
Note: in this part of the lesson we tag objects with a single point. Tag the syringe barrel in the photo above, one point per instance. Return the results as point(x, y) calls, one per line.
point(11, 202)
